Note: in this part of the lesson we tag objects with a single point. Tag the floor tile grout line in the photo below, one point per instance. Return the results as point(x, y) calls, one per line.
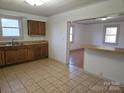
point(21, 83)
point(53, 75)
point(7, 81)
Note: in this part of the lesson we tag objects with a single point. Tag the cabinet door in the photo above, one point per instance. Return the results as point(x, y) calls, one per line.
point(42, 28)
point(10, 56)
point(30, 53)
point(16, 55)
point(37, 51)
point(44, 51)
point(22, 55)
point(33, 27)
point(36, 27)
point(2, 62)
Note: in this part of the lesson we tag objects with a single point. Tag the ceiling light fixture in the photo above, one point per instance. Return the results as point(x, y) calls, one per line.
point(108, 17)
point(36, 2)
point(104, 18)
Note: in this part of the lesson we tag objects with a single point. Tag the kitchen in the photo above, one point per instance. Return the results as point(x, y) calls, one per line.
point(34, 48)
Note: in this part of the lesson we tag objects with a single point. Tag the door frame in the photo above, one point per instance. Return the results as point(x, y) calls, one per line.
point(68, 43)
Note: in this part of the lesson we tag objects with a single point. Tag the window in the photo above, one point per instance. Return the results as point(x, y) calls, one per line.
point(10, 28)
point(71, 34)
point(111, 34)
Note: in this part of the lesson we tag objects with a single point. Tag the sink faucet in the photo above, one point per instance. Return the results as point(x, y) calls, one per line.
point(13, 42)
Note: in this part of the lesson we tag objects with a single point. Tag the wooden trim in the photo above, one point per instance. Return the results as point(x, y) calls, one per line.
point(76, 49)
point(57, 60)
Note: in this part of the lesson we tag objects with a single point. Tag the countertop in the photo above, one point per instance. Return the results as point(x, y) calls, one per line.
point(103, 48)
point(22, 44)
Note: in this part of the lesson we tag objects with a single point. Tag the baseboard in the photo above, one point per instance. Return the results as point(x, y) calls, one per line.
point(95, 75)
point(76, 49)
point(102, 77)
point(57, 60)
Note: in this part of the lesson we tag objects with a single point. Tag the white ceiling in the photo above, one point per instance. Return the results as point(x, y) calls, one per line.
point(49, 8)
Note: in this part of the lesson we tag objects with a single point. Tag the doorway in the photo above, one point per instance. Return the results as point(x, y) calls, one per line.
point(95, 31)
point(75, 53)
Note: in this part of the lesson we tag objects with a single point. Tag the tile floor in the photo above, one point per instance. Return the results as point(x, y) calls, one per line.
point(48, 76)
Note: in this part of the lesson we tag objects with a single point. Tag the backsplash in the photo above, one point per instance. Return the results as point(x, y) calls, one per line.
point(22, 41)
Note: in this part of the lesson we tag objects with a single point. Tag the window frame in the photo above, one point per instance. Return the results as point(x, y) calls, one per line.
point(20, 28)
point(117, 35)
point(70, 34)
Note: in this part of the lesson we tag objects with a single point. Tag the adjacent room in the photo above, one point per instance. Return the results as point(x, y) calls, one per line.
point(93, 32)
point(61, 46)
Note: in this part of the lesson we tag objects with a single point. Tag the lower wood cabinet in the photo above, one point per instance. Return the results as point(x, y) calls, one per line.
point(16, 55)
point(38, 51)
point(22, 55)
point(44, 51)
point(19, 54)
point(10, 56)
point(30, 53)
point(2, 62)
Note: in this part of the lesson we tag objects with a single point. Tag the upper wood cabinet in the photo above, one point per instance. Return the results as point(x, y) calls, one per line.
point(36, 28)
point(2, 58)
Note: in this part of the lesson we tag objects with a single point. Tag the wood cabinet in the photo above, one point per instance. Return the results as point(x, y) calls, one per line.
point(2, 58)
point(16, 55)
point(38, 51)
point(41, 51)
point(10, 56)
point(36, 27)
point(44, 51)
point(22, 55)
point(30, 52)
point(42, 28)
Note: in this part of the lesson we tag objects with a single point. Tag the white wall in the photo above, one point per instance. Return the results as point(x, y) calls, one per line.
point(25, 17)
point(110, 64)
point(57, 24)
point(94, 34)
